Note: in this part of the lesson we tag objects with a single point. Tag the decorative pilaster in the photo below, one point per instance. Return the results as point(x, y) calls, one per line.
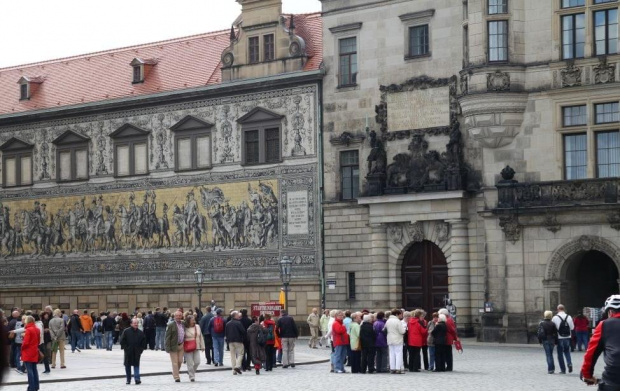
point(382, 273)
point(459, 271)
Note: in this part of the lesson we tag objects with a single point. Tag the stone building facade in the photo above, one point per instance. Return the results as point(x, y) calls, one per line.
point(175, 156)
point(471, 154)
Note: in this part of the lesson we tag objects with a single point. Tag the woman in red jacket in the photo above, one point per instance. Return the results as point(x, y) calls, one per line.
point(340, 341)
point(270, 350)
point(30, 352)
point(417, 335)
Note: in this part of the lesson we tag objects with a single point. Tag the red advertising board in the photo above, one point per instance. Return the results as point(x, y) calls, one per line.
point(272, 308)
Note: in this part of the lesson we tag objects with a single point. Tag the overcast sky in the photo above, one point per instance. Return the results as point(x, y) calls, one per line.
point(37, 30)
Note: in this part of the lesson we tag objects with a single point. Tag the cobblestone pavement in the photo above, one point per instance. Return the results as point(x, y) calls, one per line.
point(481, 367)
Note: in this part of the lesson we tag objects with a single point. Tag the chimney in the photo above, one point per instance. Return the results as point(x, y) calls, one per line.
point(254, 12)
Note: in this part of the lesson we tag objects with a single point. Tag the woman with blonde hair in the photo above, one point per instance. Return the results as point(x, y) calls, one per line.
point(193, 345)
point(548, 337)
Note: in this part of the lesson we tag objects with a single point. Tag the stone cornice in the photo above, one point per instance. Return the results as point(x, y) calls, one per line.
point(493, 102)
point(346, 27)
point(421, 15)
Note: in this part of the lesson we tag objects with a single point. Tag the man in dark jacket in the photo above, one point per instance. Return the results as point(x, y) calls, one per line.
point(161, 321)
point(368, 335)
point(133, 343)
point(109, 324)
point(206, 334)
point(246, 322)
point(236, 336)
point(15, 316)
point(76, 330)
point(149, 329)
point(287, 330)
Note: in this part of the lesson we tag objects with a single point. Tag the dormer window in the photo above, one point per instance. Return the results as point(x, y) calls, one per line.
point(27, 86)
point(141, 69)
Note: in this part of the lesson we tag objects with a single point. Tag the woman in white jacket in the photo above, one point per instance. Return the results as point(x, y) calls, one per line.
point(395, 331)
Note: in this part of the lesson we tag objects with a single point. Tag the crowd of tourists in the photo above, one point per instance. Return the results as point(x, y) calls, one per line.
point(392, 341)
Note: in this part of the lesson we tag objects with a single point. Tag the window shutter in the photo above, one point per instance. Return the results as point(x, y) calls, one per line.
point(203, 148)
point(184, 154)
point(65, 166)
point(140, 158)
point(122, 160)
point(81, 161)
point(26, 170)
point(9, 170)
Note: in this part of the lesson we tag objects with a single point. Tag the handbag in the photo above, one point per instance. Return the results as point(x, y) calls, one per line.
point(190, 346)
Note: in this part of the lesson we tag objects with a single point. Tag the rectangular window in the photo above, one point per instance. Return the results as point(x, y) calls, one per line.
point(252, 147)
point(608, 154)
point(465, 46)
point(140, 158)
point(26, 170)
point(23, 91)
point(351, 285)
point(575, 156)
point(574, 116)
point(122, 160)
point(606, 32)
point(573, 36)
point(498, 7)
point(573, 3)
point(606, 113)
point(254, 50)
point(65, 166)
point(348, 61)
point(203, 150)
point(184, 149)
point(137, 74)
point(272, 145)
point(350, 174)
point(269, 47)
point(604, 1)
point(418, 41)
point(10, 171)
point(81, 160)
point(498, 40)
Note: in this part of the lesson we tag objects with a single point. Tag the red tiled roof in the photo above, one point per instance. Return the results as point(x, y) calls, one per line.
point(182, 63)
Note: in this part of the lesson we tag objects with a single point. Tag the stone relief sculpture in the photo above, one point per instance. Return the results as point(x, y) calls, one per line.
point(116, 223)
point(571, 75)
point(604, 72)
point(498, 81)
point(511, 228)
point(298, 127)
point(227, 154)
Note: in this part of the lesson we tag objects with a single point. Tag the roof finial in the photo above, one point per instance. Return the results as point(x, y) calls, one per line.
point(232, 34)
point(291, 26)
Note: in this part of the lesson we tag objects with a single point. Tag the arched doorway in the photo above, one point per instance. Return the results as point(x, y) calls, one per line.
point(424, 277)
point(591, 277)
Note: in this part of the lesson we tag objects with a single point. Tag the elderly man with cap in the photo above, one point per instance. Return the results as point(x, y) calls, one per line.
point(217, 329)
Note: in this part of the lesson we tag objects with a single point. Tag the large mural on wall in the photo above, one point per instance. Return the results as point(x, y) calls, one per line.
point(228, 216)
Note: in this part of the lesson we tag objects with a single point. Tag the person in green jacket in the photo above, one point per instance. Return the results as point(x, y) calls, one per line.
point(354, 341)
point(175, 334)
point(323, 324)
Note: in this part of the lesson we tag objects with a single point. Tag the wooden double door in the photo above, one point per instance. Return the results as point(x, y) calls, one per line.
point(424, 277)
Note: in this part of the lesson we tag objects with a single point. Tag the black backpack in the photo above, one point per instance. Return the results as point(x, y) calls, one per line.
point(564, 329)
point(260, 337)
point(542, 336)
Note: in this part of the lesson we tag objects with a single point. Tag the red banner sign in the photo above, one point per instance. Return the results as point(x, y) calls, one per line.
point(272, 308)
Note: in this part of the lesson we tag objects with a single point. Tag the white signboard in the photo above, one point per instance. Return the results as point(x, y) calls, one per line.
point(418, 109)
point(297, 212)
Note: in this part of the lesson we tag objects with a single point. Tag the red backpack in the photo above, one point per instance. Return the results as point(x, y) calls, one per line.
point(218, 325)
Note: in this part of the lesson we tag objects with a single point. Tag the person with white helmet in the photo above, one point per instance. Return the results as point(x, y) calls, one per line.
point(606, 339)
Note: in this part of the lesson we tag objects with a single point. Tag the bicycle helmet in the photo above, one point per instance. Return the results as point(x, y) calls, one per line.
point(612, 301)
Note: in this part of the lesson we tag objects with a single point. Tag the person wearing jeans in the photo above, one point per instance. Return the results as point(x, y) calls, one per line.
point(217, 337)
point(133, 343)
point(564, 339)
point(109, 324)
point(340, 340)
point(548, 340)
point(30, 352)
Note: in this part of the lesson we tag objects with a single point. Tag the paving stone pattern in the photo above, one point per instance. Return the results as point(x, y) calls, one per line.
point(506, 368)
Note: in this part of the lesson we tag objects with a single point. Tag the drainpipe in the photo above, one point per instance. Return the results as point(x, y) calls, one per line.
point(321, 195)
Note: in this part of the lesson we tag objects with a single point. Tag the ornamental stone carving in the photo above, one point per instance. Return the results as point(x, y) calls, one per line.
point(442, 230)
point(415, 232)
point(395, 233)
point(571, 75)
point(614, 220)
point(347, 138)
point(551, 224)
point(498, 81)
point(511, 228)
point(583, 243)
point(604, 72)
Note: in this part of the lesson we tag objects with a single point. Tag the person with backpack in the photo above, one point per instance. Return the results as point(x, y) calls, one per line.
point(204, 326)
point(217, 328)
point(270, 340)
point(548, 337)
point(98, 333)
point(564, 325)
point(257, 337)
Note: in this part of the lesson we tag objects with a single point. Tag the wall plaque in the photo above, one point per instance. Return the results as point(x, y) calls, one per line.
point(418, 109)
point(297, 212)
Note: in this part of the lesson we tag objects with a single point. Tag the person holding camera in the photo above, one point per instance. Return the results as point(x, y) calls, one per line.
point(605, 339)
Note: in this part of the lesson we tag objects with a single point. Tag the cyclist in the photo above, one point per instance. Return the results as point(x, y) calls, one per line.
point(606, 339)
